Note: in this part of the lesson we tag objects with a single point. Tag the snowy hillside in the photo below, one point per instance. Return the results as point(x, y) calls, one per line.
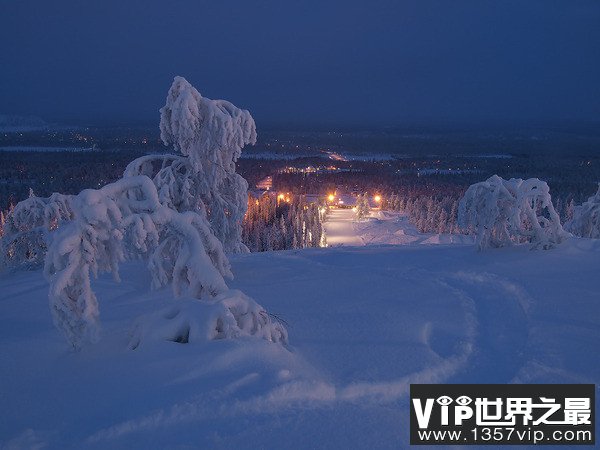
point(363, 322)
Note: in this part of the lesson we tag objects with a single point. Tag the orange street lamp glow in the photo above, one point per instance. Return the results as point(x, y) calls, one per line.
point(331, 197)
point(281, 196)
point(377, 198)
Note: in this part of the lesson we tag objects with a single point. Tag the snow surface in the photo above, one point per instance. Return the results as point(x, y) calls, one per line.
point(340, 228)
point(364, 322)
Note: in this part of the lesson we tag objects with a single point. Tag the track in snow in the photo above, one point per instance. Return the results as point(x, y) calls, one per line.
point(340, 230)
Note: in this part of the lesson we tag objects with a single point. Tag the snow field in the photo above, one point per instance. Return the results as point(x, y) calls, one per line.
point(363, 323)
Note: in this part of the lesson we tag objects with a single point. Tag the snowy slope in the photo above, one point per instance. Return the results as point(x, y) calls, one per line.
point(381, 227)
point(340, 228)
point(364, 323)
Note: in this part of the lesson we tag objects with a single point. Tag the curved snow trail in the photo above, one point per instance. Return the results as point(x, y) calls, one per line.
point(494, 350)
point(316, 392)
point(503, 329)
point(500, 309)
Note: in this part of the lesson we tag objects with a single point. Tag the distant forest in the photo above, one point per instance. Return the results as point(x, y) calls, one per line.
point(425, 185)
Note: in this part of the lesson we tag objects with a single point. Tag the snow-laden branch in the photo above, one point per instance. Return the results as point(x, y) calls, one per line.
point(174, 180)
point(188, 255)
point(502, 212)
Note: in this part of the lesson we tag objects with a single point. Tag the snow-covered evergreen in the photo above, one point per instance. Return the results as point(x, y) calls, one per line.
point(271, 224)
point(362, 206)
point(210, 135)
point(586, 218)
point(502, 212)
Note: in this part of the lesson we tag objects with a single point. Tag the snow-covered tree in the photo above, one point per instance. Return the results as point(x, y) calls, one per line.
point(586, 218)
point(502, 212)
point(28, 226)
point(210, 135)
point(126, 219)
point(357, 203)
point(442, 223)
point(271, 224)
point(570, 210)
point(363, 208)
point(179, 212)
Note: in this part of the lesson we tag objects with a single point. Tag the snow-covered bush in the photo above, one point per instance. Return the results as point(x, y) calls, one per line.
point(229, 315)
point(586, 218)
point(210, 135)
point(27, 228)
point(502, 212)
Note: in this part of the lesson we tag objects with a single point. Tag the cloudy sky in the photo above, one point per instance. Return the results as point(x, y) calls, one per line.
point(305, 62)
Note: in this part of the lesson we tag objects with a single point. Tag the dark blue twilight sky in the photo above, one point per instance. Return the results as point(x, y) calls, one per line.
point(305, 62)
